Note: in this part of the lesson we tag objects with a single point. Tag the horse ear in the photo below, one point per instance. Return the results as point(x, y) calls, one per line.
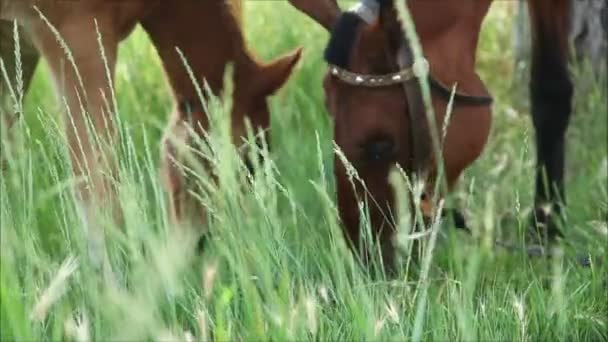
point(273, 75)
point(324, 12)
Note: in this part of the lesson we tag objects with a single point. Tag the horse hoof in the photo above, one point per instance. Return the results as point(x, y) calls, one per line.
point(458, 218)
point(201, 244)
point(544, 228)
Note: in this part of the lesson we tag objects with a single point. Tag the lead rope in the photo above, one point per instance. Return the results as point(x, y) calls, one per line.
point(420, 137)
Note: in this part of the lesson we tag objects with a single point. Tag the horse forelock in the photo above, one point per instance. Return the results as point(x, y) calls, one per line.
point(344, 32)
point(342, 39)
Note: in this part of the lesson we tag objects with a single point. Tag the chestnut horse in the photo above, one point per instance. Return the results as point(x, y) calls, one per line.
point(209, 35)
point(372, 92)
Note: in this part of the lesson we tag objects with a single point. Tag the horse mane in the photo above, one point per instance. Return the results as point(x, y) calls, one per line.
point(236, 9)
point(344, 33)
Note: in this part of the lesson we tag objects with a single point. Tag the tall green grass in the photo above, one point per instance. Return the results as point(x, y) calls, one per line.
point(276, 266)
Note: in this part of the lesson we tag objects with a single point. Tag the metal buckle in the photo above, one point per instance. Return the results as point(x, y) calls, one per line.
point(366, 10)
point(420, 67)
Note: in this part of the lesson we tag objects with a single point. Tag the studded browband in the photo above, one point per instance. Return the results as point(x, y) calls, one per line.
point(419, 68)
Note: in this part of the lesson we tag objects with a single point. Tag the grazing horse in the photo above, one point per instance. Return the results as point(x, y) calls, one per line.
point(374, 95)
point(209, 35)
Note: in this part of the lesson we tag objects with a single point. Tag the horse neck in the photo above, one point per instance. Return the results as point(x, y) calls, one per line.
point(209, 36)
point(450, 26)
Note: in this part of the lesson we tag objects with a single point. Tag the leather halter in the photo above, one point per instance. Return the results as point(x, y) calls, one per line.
point(405, 75)
point(411, 71)
point(373, 81)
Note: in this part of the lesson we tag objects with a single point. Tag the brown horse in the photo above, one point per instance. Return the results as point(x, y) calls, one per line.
point(374, 96)
point(209, 35)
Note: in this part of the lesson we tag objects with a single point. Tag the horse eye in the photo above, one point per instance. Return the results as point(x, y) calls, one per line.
point(379, 149)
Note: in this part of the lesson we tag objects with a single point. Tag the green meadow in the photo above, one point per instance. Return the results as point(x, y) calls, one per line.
point(276, 266)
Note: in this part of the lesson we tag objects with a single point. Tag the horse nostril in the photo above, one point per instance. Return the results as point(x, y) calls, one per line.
point(379, 150)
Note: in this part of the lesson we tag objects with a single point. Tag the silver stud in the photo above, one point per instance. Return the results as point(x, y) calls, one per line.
point(359, 79)
point(420, 68)
point(397, 78)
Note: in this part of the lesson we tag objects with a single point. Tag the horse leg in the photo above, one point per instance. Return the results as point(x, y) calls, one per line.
point(29, 60)
point(185, 210)
point(551, 93)
point(87, 94)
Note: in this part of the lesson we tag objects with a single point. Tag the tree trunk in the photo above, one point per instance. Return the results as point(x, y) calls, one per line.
point(588, 30)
